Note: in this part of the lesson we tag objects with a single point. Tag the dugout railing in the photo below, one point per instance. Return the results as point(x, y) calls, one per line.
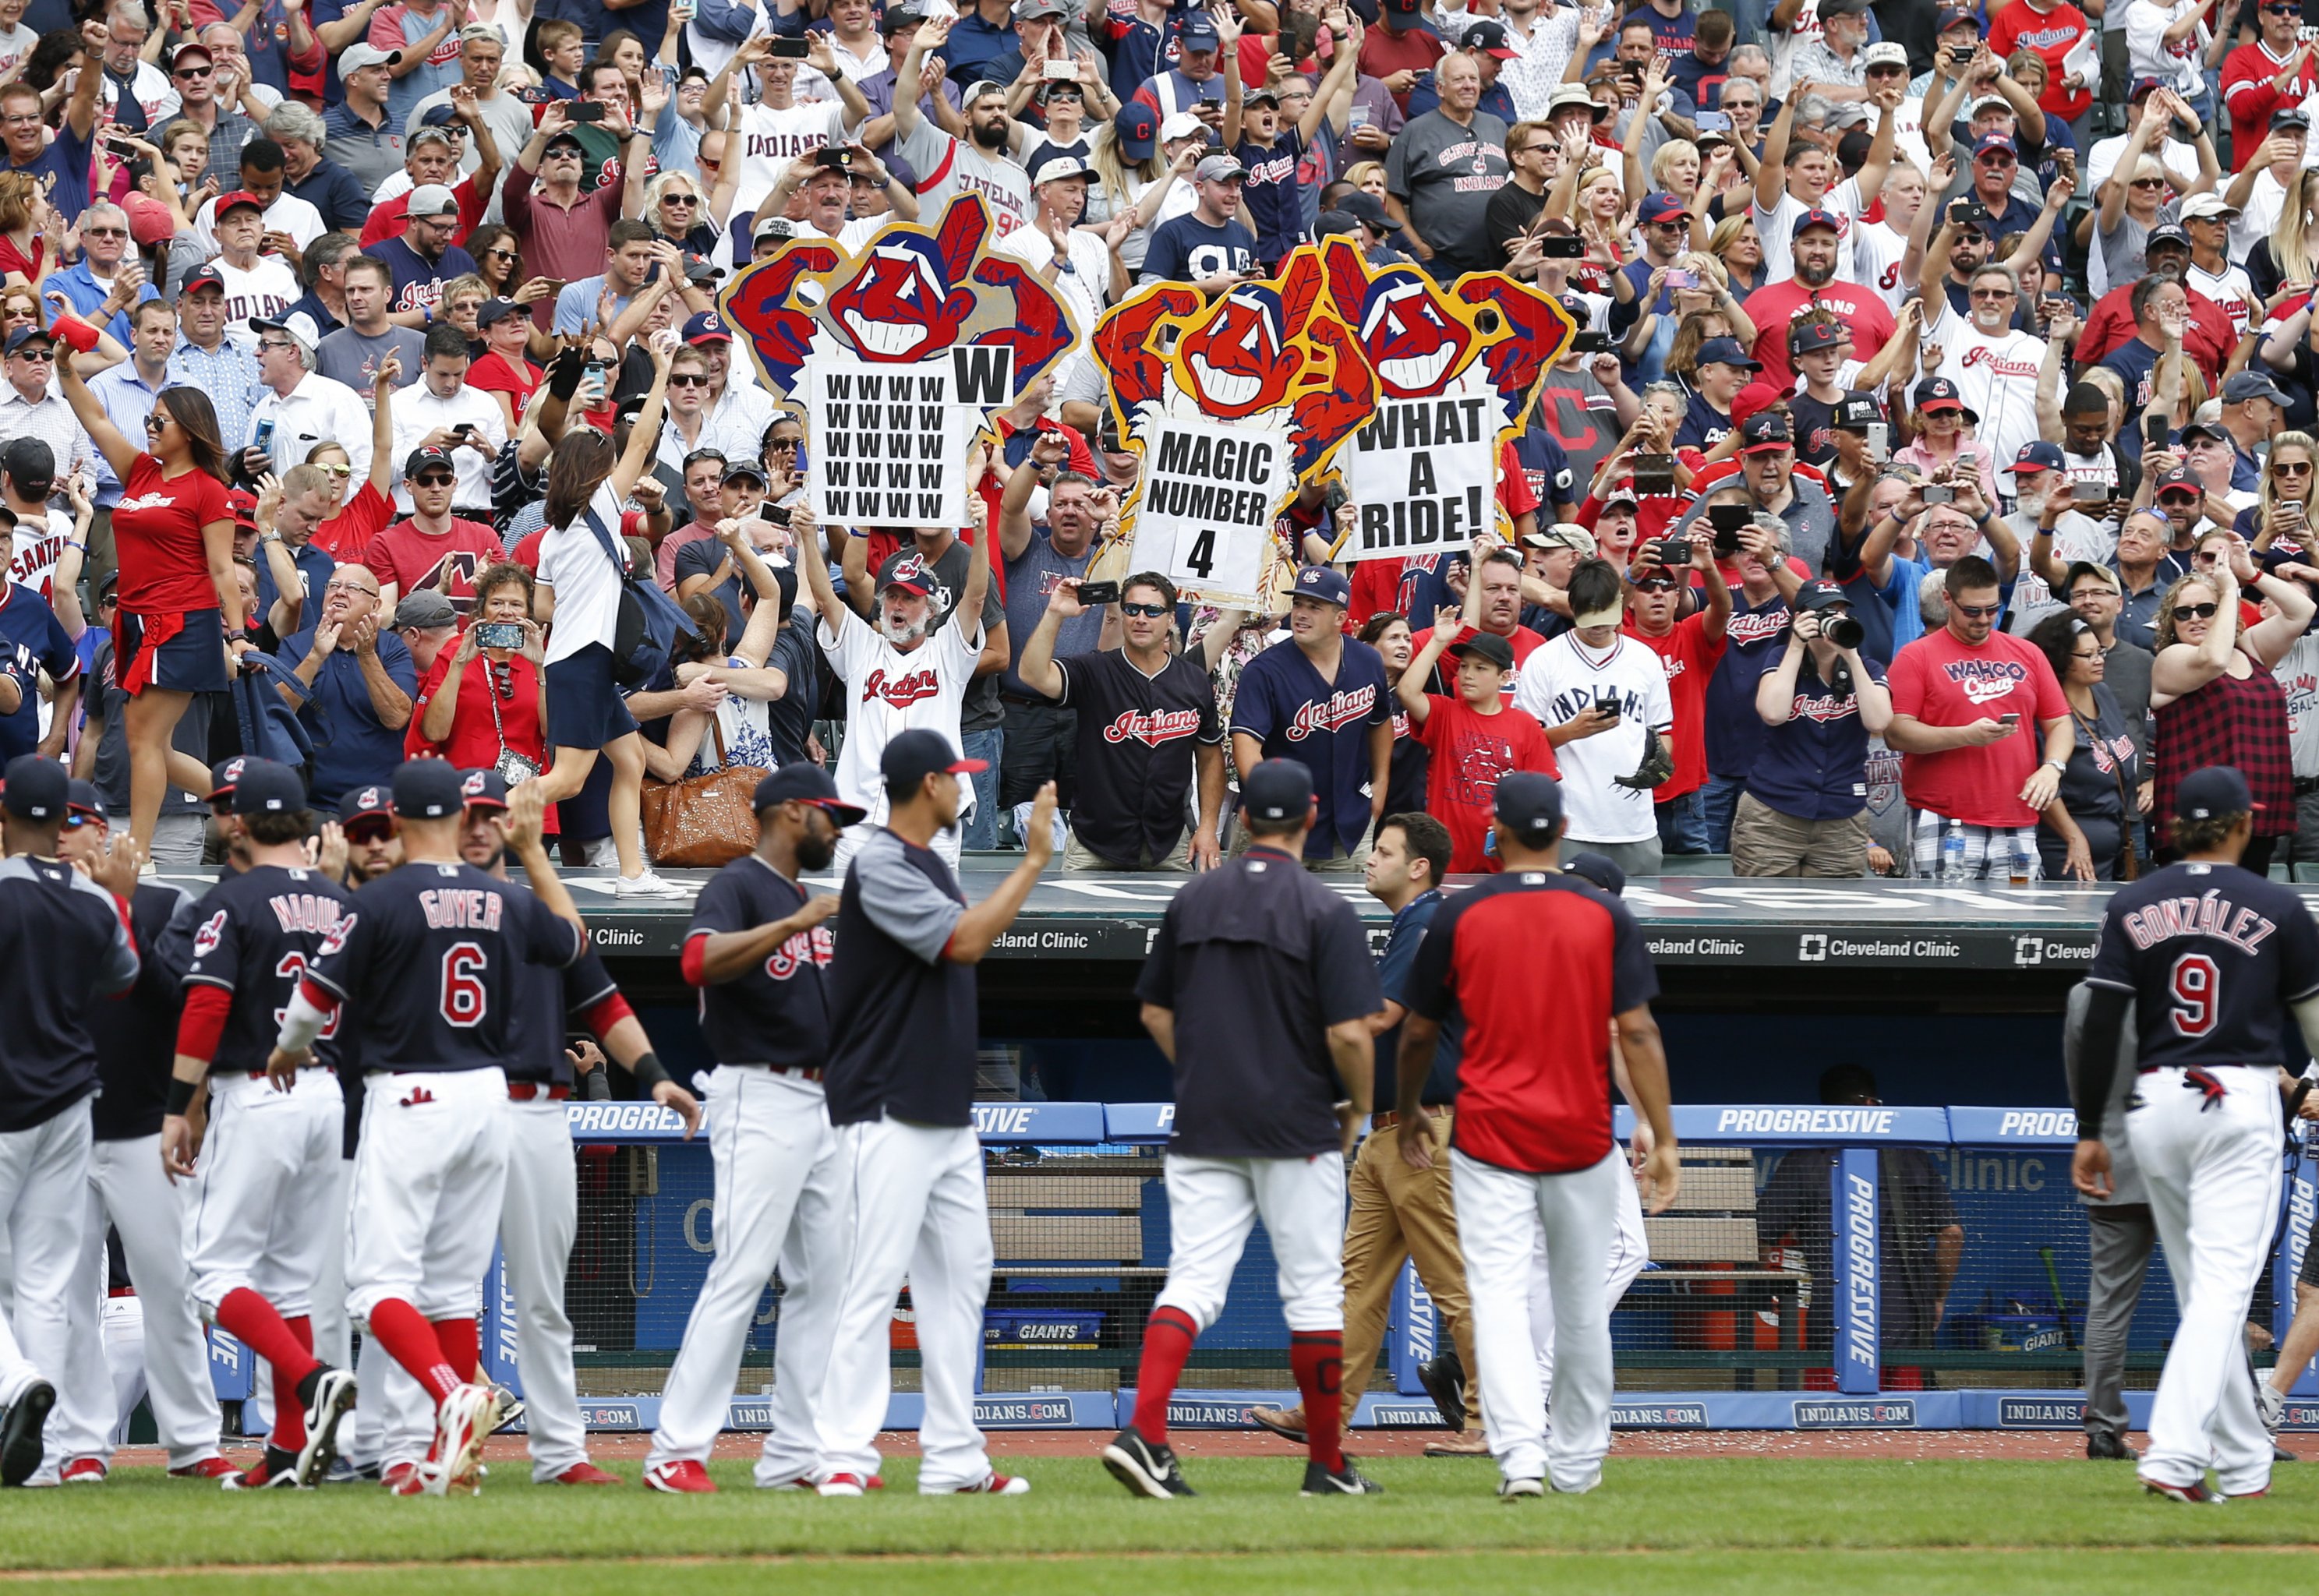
point(1789, 1286)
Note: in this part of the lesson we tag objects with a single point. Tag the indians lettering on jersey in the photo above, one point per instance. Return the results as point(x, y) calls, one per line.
point(1153, 727)
point(1474, 154)
point(901, 691)
point(1338, 710)
point(1757, 625)
point(2111, 752)
point(1983, 355)
point(240, 306)
point(1826, 707)
point(2056, 36)
point(2210, 913)
point(1982, 681)
point(1281, 168)
point(813, 947)
point(1571, 703)
point(423, 293)
point(460, 908)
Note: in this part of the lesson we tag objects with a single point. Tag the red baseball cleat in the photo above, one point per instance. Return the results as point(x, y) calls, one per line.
point(584, 1472)
point(83, 1471)
point(681, 1476)
point(208, 1469)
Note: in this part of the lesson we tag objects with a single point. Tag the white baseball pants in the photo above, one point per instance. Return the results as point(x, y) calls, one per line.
point(1500, 1214)
point(428, 1181)
point(538, 1217)
point(43, 1203)
point(264, 1190)
point(1630, 1249)
point(126, 1186)
point(2213, 1173)
point(1213, 1203)
point(918, 1214)
point(334, 1341)
point(781, 1197)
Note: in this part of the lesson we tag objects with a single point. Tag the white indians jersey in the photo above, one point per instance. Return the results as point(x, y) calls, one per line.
point(772, 140)
point(888, 692)
point(267, 289)
point(1876, 252)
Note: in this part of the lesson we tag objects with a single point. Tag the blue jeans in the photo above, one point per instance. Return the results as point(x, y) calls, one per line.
point(982, 831)
point(1683, 825)
point(1717, 800)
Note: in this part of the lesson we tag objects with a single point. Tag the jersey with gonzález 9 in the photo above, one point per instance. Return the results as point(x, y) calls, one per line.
point(256, 935)
point(424, 960)
point(2212, 955)
point(1534, 1061)
point(776, 1012)
point(547, 999)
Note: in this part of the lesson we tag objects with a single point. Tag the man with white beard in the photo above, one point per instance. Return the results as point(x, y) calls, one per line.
point(2042, 510)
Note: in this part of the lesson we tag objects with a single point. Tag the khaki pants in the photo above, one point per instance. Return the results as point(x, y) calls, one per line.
point(1766, 843)
point(1398, 1212)
point(1355, 863)
point(1077, 857)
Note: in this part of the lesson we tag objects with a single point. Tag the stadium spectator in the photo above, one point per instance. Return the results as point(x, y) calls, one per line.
point(443, 411)
point(301, 408)
point(1803, 812)
point(357, 680)
point(2086, 832)
point(1474, 736)
point(1688, 647)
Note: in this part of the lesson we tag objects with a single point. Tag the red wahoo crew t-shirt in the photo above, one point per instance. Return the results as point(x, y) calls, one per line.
point(1944, 682)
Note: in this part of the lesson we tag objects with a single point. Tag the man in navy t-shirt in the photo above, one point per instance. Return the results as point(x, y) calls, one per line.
point(1322, 698)
point(1207, 248)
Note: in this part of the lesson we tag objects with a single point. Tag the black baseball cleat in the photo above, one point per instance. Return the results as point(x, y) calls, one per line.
point(2106, 1444)
point(20, 1432)
point(1348, 1481)
point(1145, 1469)
point(1444, 1379)
point(328, 1395)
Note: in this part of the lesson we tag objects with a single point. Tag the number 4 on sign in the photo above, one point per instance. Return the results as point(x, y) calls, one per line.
point(1200, 559)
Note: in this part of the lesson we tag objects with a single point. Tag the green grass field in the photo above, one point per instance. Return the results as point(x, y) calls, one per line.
point(1687, 1524)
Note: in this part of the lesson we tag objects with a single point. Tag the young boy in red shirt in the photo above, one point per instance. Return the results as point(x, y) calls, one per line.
point(1475, 736)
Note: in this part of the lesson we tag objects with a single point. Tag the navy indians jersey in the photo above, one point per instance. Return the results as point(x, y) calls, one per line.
point(1136, 736)
point(54, 921)
point(2212, 956)
point(256, 934)
point(425, 960)
point(547, 1003)
point(777, 1013)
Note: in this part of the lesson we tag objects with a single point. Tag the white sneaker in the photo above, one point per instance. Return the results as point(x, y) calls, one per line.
point(646, 885)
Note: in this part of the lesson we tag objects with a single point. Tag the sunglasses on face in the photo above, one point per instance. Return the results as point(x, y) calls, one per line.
point(104, 232)
point(365, 837)
point(2149, 183)
point(1655, 584)
point(1146, 611)
point(336, 470)
point(2195, 611)
point(2290, 467)
point(690, 379)
point(194, 71)
point(680, 199)
point(432, 479)
point(1990, 293)
point(2179, 501)
point(1980, 611)
point(1887, 71)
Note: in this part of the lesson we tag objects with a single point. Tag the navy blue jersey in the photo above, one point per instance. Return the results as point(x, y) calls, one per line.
point(31, 642)
point(776, 1012)
point(57, 922)
point(1703, 426)
point(545, 1001)
point(904, 1013)
point(1283, 704)
point(1545, 467)
point(2212, 956)
point(425, 960)
point(1752, 642)
point(1136, 736)
point(136, 1033)
point(256, 934)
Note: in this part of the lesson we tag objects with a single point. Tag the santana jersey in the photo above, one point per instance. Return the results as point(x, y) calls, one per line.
point(777, 1013)
point(2212, 955)
point(256, 935)
point(425, 958)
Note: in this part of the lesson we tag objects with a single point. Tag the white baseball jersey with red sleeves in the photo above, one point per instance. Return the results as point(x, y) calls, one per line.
point(888, 692)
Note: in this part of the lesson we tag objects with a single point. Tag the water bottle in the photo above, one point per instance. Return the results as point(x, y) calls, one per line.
point(1952, 871)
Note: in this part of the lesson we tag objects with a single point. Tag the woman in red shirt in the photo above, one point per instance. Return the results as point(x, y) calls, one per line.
point(173, 532)
point(487, 708)
point(24, 215)
point(502, 371)
point(368, 510)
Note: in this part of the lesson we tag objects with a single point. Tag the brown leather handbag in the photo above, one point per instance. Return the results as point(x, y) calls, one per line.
point(703, 822)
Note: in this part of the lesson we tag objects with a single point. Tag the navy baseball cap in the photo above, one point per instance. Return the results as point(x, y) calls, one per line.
point(2177, 479)
point(1323, 583)
point(2038, 456)
point(1529, 804)
point(224, 774)
point(913, 756)
point(205, 276)
point(82, 799)
point(38, 788)
point(267, 788)
point(910, 572)
point(31, 335)
point(806, 783)
point(1199, 33)
point(1137, 129)
point(1661, 207)
point(1816, 218)
point(1728, 352)
point(1808, 337)
point(1996, 142)
point(1765, 431)
point(2143, 86)
point(1277, 789)
point(2212, 429)
point(2218, 790)
point(707, 327)
point(429, 790)
point(2237, 390)
point(2166, 232)
point(496, 311)
point(1602, 872)
point(483, 788)
point(1938, 394)
point(1822, 594)
point(365, 803)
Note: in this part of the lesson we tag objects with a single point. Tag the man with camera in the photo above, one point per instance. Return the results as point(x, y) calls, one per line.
point(1767, 451)
point(1689, 649)
point(1804, 811)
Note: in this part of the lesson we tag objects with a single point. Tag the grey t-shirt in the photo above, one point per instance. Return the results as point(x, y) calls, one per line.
point(2121, 247)
point(349, 357)
point(1030, 580)
point(1811, 515)
point(1445, 173)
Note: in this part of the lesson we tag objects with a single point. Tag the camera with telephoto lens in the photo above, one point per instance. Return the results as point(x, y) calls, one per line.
point(1843, 630)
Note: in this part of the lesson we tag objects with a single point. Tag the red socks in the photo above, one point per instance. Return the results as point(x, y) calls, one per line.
point(412, 1342)
point(1168, 1338)
point(289, 1412)
point(462, 1349)
point(1318, 1358)
point(252, 1320)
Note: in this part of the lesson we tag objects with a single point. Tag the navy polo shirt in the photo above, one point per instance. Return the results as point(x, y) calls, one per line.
point(31, 641)
point(351, 748)
point(1283, 704)
point(1814, 766)
point(1396, 967)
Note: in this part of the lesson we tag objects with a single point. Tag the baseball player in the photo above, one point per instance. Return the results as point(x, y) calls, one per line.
point(540, 1212)
point(1531, 1149)
point(902, 673)
point(900, 1092)
point(759, 949)
point(424, 962)
point(73, 927)
point(2212, 957)
point(1259, 990)
point(136, 1040)
point(263, 1190)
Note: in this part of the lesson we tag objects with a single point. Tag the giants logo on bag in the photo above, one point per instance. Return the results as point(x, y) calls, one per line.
point(1151, 730)
point(901, 691)
point(807, 947)
point(1338, 710)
